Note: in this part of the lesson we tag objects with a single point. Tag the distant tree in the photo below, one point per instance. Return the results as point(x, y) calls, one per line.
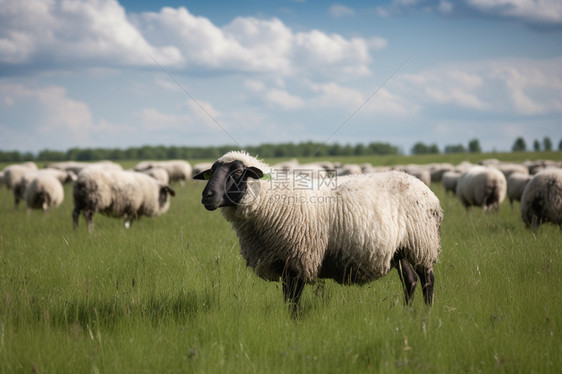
point(519, 145)
point(536, 146)
point(421, 148)
point(474, 146)
point(547, 144)
point(459, 148)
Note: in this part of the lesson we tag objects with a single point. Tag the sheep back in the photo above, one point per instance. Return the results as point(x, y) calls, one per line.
point(44, 192)
point(542, 199)
point(482, 186)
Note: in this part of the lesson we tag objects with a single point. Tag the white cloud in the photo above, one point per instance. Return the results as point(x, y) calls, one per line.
point(339, 11)
point(284, 99)
point(516, 86)
point(539, 11)
point(75, 32)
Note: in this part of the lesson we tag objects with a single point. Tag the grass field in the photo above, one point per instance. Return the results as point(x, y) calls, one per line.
point(173, 294)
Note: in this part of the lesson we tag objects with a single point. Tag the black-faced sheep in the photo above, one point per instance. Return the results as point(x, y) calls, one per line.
point(118, 193)
point(542, 199)
point(482, 186)
point(353, 232)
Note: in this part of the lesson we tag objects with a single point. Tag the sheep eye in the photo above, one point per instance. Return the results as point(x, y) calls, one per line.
point(238, 172)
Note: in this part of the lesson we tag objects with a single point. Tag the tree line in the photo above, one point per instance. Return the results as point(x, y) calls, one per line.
point(268, 150)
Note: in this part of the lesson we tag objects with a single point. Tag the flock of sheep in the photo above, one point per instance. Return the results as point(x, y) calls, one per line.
point(382, 217)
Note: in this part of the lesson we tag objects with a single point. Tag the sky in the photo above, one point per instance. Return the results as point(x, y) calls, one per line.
point(120, 74)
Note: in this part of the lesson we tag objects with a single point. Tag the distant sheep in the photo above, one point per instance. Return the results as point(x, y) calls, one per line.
point(437, 170)
point(516, 183)
point(542, 199)
point(449, 180)
point(178, 170)
point(44, 192)
point(77, 166)
point(482, 186)
point(160, 174)
point(354, 232)
point(118, 193)
point(508, 168)
point(13, 173)
point(21, 185)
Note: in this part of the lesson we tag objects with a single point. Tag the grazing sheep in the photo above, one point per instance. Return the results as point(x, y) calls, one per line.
point(2, 179)
point(450, 180)
point(44, 192)
point(77, 166)
point(13, 173)
point(353, 232)
point(437, 170)
point(508, 168)
point(349, 169)
point(482, 186)
point(118, 193)
point(199, 167)
point(419, 172)
point(516, 183)
point(542, 199)
point(21, 185)
point(161, 175)
point(178, 170)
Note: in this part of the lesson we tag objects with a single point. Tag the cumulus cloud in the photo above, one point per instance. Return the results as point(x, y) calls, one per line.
point(99, 33)
point(65, 32)
point(544, 12)
point(519, 86)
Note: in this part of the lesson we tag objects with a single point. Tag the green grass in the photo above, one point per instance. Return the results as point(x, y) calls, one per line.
point(172, 294)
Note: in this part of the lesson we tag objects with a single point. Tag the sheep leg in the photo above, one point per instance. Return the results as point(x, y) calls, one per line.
point(75, 216)
point(427, 279)
point(292, 288)
point(89, 215)
point(408, 278)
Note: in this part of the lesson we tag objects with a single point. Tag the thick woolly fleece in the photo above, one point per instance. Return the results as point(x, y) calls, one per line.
point(482, 186)
point(44, 192)
point(354, 228)
point(542, 199)
point(119, 193)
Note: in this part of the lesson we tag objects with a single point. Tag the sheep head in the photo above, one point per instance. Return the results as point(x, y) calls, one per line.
point(227, 183)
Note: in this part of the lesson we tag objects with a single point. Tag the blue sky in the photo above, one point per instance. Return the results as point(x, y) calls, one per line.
point(103, 73)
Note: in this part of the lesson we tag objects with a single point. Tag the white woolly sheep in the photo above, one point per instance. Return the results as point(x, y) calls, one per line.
point(21, 185)
point(349, 169)
point(353, 230)
point(178, 170)
point(44, 192)
point(77, 166)
point(161, 175)
point(508, 168)
point(483, 187)
point(118, 193)
point(542, 199)
point(449, 180)
point(516, 183)
point(13, 173)
point(419, 172)
point(438, 169)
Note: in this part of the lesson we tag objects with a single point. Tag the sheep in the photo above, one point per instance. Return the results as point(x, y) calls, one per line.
point(437, 170)
point(349, 169)
point(77, 166)
point(419, 172)
point(450, 180)
point(482, 186)
point(13, 173)
point(160, 174)
point(508, 168)
point(542, 199)
point(353, 230)
point(178, 170)
point(21, 185)
point(44, 192)
point(2, 179)
point(118, 193)
point(516, 183)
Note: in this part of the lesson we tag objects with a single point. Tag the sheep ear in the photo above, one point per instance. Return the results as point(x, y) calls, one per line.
point(169, 190)
point(204, 175)
point(254, 172)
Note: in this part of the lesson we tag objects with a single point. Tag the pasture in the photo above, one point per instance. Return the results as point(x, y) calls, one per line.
point(173, 294)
